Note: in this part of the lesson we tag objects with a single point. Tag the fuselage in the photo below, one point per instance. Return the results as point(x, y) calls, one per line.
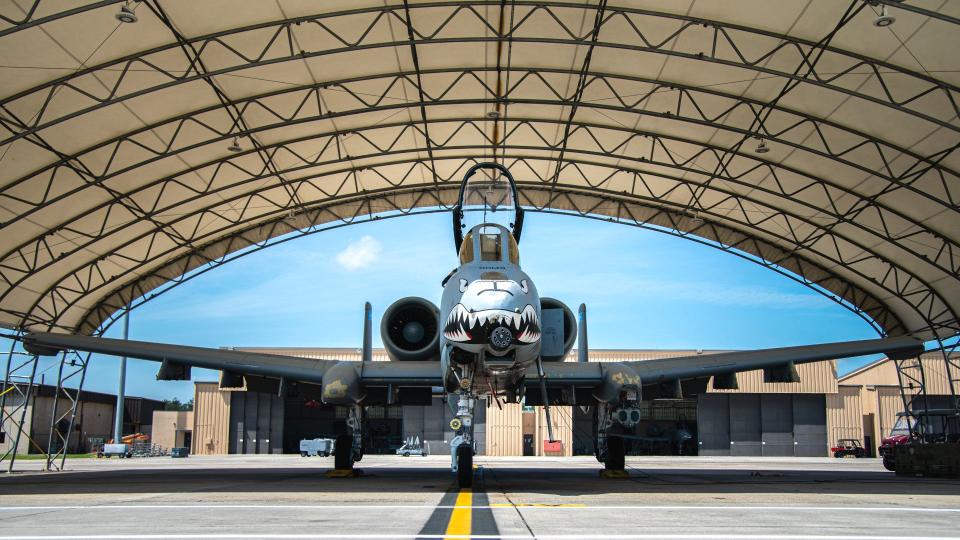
point(490, 312)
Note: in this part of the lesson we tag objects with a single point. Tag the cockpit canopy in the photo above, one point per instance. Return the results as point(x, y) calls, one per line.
point(488, 195)
point(489, 243)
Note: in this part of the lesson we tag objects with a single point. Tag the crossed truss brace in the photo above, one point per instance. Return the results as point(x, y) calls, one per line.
point(191, 217)
point(613, 96)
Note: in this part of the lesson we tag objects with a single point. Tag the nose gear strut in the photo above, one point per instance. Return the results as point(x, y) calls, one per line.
point(543, 395)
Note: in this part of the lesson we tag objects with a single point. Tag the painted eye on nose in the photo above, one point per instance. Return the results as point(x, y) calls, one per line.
point(523, 286)
point(463, 285)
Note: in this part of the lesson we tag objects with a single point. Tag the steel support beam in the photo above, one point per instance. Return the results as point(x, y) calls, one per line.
point(73, 366)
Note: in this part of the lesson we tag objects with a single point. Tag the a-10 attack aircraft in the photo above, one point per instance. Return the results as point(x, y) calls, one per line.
point(493, 337)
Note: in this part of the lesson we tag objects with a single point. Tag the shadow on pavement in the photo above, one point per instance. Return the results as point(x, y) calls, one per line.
point(546, 480)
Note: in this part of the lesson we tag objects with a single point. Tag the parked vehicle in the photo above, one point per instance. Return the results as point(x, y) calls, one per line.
point(412, 447)
point(900, 434)
point(923, 427)
point(848, 447)
point(120, 450)
point(316, 447)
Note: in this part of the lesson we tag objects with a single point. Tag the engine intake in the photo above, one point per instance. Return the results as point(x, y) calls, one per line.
point(569, 328)
point(410, 330)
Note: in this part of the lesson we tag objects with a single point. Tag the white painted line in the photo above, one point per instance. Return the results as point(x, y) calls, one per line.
point(477, 536)
point(524, 506)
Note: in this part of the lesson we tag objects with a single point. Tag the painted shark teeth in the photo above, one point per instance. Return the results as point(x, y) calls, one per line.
point(459, 322)
point(463, 325)
point(531, 325)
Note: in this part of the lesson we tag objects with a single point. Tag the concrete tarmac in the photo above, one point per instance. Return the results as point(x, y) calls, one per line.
point(289, 497)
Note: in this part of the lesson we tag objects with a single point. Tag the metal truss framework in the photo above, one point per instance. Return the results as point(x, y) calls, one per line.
point(862, 215)
point(727, 196)
point(914, 381)
point(278, 39)
point(73, 369)
point(18, 386)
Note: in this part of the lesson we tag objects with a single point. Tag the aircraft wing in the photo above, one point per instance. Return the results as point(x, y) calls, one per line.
point(237, 362)
point(704, 365)
point(672, 375)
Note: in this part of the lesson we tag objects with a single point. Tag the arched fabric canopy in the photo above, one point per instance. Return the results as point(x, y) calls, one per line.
point(806, 134)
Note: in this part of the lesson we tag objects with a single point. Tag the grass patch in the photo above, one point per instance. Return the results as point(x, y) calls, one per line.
point(32, 457)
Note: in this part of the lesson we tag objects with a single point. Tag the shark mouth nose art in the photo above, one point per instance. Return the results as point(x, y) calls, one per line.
point(476, 327)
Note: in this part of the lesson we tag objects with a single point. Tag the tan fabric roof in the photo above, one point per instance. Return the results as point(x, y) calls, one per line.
point(116, 173)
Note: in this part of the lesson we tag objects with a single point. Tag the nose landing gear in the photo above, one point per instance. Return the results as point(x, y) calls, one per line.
point(465, 466)
point(461, 447)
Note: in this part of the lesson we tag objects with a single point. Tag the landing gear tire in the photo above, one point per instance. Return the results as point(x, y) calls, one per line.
point(343, 454)
point(465, 466)
point(615, 455)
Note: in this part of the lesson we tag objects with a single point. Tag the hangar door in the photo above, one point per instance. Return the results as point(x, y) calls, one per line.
point(762, 425)
point(776, 424)
point(713, 424)
point(745, 425)
point(256, 423)
point(810, 425)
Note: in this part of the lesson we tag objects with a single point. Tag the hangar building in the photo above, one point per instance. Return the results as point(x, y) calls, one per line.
point(95, 416)
point(759, 419)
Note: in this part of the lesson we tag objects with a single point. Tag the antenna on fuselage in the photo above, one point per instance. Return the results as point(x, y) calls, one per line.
point(367, 353)
point(582, 335)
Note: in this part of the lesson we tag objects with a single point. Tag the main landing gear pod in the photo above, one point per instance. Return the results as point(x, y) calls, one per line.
point(617, 414)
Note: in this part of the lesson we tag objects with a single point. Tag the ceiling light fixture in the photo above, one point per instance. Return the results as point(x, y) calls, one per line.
point(235, 146)
point(762, 148)
point(126, 15)
point(883, 20)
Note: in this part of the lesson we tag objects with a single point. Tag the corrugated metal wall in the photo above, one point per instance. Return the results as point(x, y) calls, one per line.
point(815, 378)
point(211, 419)
point(562, 429)
point(889, 404)
point(884, 373)
point(504, 430)
point(845, 414)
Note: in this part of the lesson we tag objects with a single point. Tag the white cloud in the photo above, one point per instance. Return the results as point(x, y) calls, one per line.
point(359, 254)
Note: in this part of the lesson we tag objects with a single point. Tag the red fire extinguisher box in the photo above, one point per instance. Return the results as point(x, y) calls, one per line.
point(553, 446)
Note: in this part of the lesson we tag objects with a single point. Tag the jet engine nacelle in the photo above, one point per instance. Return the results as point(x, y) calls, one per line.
point(569, 327)
point(410, 330)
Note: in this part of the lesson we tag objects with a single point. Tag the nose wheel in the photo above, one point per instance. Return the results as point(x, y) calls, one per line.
point(465, 466)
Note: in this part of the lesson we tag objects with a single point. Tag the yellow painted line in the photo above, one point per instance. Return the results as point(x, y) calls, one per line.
point(537, 505)
point(461, 520)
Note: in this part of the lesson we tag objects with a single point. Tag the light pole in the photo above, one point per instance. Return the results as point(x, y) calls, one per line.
point(121, 387)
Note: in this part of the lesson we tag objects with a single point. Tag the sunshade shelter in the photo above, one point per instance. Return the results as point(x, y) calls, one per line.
point(143, 142)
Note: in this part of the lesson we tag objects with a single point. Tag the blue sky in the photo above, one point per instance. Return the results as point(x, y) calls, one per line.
point(643, 289)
